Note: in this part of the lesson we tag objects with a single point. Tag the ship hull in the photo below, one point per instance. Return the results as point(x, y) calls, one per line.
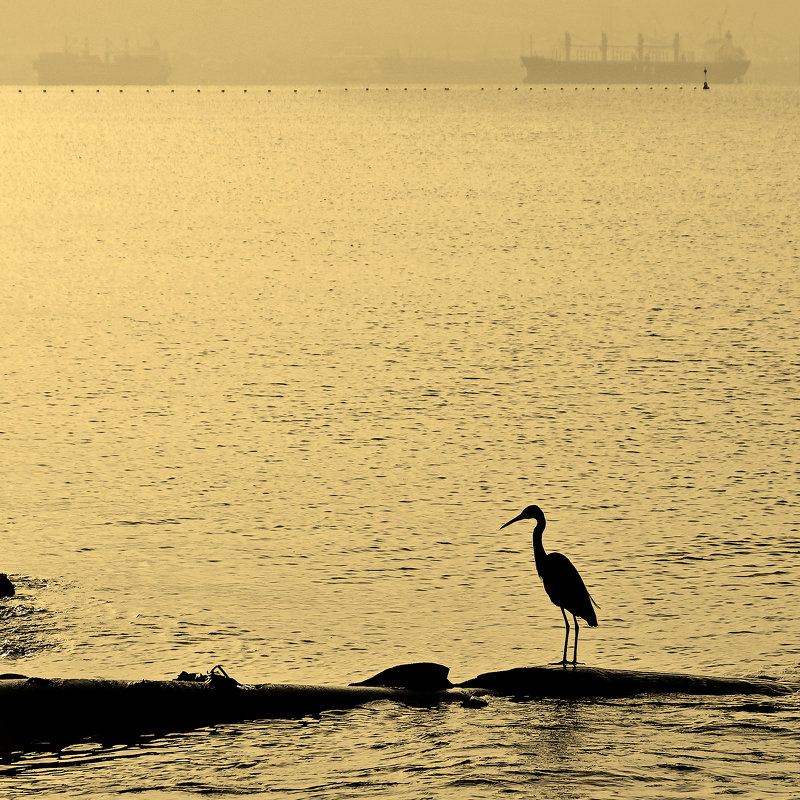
point(550, 70)
point(67, 69)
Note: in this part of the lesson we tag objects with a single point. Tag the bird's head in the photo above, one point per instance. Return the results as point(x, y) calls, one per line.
point(531, 512)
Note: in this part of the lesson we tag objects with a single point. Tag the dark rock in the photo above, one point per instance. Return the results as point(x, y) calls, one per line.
point(6, 587)
point(556, 681)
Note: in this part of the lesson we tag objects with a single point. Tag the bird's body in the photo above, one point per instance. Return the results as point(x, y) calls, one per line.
point(562, 582)
point(565, 587)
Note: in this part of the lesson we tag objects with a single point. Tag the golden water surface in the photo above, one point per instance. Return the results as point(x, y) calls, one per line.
point(277, 365)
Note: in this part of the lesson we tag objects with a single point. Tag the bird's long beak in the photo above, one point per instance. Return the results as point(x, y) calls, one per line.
point(511, 521)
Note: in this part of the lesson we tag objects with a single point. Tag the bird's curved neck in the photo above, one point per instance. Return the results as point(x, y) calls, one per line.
point(539, 553)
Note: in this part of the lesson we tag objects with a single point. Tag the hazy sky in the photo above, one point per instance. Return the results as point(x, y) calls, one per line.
point(460, 28)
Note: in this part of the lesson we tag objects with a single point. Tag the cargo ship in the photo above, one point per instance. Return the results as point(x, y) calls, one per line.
point(146, 66)
point(644, 64)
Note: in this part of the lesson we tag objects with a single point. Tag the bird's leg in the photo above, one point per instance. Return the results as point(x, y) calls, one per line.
point(575, 650)
point(566, 638)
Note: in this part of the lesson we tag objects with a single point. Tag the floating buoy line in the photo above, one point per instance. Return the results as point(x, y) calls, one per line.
point(334, 90)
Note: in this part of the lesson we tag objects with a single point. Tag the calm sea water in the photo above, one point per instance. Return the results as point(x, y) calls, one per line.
point(278, 364)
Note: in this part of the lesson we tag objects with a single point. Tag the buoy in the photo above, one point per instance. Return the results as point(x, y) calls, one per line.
point(705, 81)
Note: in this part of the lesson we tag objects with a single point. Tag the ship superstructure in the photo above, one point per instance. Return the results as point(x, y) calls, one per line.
point(642, 63)
point(145, 66)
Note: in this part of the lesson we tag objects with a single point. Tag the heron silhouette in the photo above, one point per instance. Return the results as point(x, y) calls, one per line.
point(562, 582)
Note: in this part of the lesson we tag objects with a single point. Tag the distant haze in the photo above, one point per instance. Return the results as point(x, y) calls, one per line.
point(197, 32)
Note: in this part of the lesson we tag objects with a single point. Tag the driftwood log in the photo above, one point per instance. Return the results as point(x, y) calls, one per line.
point(43, 713)
point(52, 713)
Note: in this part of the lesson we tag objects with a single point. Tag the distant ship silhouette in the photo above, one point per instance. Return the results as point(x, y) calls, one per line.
point(647, 64)
point(146, 66)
